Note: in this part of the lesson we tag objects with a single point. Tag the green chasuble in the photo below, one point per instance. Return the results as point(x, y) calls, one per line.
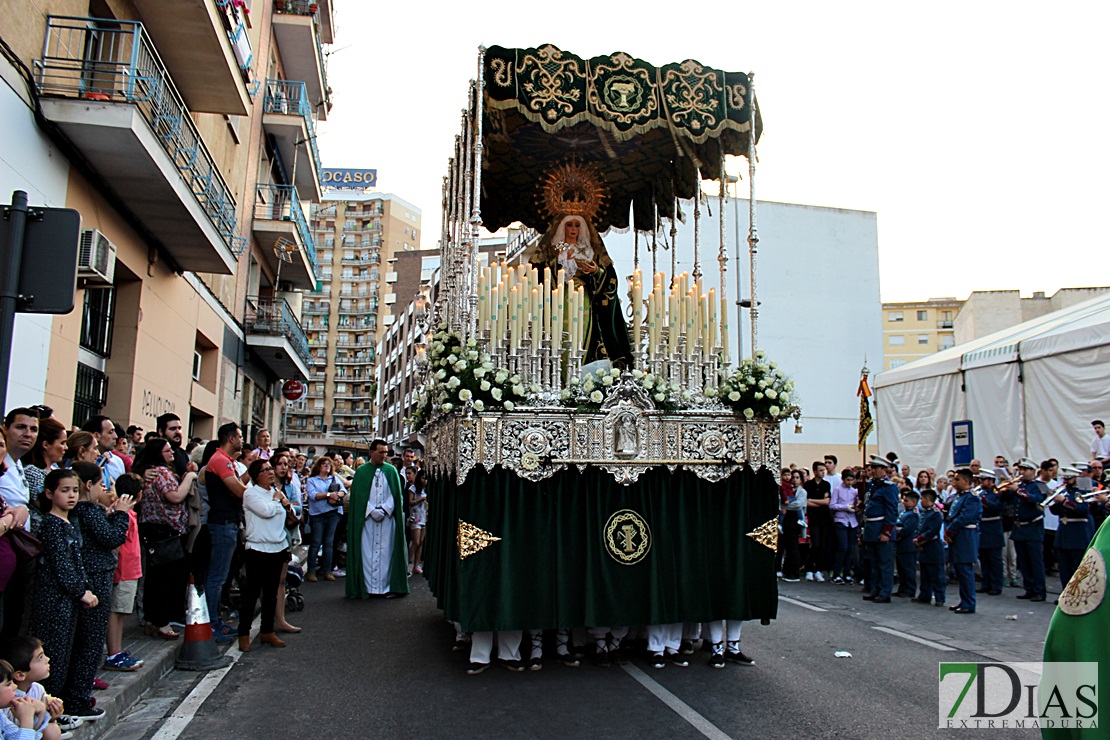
point(1078, 630)
point(356, 519)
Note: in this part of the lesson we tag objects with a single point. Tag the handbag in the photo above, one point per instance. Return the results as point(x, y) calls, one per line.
point(165, 551)
point(291, 518)
point(25, 544)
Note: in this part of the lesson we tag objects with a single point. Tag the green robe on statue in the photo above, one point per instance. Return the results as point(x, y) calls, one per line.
point(356, 521)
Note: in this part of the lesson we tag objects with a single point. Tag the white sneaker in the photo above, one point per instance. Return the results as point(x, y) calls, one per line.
point(820, 576)
point(809, 576)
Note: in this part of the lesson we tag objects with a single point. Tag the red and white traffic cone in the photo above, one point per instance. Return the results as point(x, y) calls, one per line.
point(199, 652)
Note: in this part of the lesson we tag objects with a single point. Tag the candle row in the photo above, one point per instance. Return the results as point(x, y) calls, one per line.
point(521, 301)
point(686, 311)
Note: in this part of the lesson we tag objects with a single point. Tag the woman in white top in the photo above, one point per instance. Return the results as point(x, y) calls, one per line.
point(265, 552)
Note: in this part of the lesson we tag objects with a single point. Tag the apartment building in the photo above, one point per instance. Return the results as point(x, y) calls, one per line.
point(184, 134)
point(913, 330)
point(360, 235)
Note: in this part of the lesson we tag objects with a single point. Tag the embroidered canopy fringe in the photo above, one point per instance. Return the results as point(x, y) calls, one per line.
point(651, 128)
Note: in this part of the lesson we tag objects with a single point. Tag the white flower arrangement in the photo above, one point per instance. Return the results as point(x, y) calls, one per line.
point(588, 392)
point(464, 374)
point(757, 390)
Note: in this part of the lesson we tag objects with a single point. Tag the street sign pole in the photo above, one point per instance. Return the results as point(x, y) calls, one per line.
point(10, 264)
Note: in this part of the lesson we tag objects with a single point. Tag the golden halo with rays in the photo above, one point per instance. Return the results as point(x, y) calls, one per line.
point(573, 189)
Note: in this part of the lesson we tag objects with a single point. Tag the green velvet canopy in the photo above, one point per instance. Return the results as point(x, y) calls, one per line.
point(650, 130)
point(545, 562)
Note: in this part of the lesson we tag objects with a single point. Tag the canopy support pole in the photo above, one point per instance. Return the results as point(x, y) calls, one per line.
point(697, 229)
point(475, 214)
point(753, 233)
point(722, 262)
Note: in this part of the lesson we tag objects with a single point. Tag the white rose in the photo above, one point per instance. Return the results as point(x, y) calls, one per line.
point(465, 394)
point(518, 390)
point(441, 374)
point(637, 374)
point(771, 393)
point(509, 405)
point(687, 395)
point(773, 364)
point(496, 393)
point(748, 414)
point(500, 376)
point(515, 379)
point(535, 388)
point(789, 387)
point(437, 347)
point(734, 396)
point(460, 366)
point(479, 372)
point(471, 342)
point(479, 405)
point(565, 395)
point(447, 407)
point(758, 396)
point(588, 385)
point(607, 381)
point(484, 385)
point(487, 365)
point(775, 411)
point(710, 392)
point(596, 397)
point(472, 355)
point(453, 382)
point(614, 373)
point(784, 397)
point(452, 359)
point(649, 383)
point(763, 384)
point(574, 380)
point(660, 397)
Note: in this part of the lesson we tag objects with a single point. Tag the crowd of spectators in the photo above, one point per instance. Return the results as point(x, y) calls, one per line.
point(102, 526)
point(1033, 521)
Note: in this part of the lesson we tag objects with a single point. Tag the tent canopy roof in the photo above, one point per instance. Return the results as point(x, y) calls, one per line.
point(654, 132)
point(1085, 324)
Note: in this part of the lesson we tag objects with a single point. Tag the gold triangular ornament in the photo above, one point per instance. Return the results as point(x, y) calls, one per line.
point(767, 534)
point(471, 539)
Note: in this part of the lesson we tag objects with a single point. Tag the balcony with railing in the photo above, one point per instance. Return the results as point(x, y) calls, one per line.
point(289, 117)
point(298, 31)
point(276, 337)
point(282, 232)
point(945, 323)
point(104, 85)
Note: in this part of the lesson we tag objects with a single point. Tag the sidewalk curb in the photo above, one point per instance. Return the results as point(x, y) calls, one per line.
point(128, 688)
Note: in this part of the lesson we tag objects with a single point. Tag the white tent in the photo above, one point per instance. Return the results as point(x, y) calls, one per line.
point(1030, 391)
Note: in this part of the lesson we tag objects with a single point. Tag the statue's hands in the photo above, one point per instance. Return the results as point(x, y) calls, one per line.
point(587, 266)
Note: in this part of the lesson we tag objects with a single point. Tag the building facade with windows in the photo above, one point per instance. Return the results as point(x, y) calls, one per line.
point(360, 236)
point(184, 135)
point(914, 330)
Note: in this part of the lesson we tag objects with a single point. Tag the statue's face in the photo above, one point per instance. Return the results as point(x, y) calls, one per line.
point(572, 229)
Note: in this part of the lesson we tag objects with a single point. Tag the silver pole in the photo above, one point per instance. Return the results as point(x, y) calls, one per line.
point(753, 234)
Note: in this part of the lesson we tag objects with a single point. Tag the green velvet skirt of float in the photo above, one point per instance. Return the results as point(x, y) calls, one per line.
point(579, 549)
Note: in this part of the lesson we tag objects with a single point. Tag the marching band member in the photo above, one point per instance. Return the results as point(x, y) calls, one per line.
point(1076, 528)
point(992, 539)
point(1028, 533)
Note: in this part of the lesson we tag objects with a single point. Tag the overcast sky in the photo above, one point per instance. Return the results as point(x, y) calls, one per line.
point(976, 130)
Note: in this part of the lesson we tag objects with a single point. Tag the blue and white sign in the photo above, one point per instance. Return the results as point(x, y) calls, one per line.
point(349, 178)
point(963, 442)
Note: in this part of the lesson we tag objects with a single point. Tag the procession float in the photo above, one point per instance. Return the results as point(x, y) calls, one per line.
point(594, 457)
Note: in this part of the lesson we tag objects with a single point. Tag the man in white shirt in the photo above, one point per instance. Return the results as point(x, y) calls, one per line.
point(831, 475)
point(1100, 447)
point(103, 431)
point(23, 428)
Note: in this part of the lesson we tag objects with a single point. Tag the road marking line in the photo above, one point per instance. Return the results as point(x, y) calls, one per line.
point(175, 724)
point(802, 604)
point(914, 638)
point(684, 710)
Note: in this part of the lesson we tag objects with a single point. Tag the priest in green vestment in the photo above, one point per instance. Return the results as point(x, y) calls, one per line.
point(377, 561)
point(1078, 630)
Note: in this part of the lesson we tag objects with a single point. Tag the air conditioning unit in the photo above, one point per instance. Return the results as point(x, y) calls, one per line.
point(96, 258)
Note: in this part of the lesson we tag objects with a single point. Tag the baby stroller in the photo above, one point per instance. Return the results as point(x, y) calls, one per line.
point(294, 577)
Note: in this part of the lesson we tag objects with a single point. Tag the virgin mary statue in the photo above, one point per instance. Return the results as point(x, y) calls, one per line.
point(573, 244)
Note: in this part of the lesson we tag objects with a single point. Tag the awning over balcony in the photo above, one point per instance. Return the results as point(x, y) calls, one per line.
point(192, 39)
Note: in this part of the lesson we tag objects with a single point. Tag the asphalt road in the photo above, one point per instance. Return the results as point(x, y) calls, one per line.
point(384, 668)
